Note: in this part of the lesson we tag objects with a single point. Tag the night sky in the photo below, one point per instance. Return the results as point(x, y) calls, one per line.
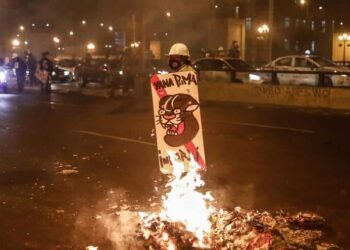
point(63, 13)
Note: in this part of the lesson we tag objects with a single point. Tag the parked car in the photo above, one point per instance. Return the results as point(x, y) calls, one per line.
point(60, 74)
point(101, 70)
point(308, 63)
point(69, 63)
point(226, 70)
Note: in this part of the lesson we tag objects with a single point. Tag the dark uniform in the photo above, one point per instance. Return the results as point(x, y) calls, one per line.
point(31, 65)
point(128, 67)
point(20, 68)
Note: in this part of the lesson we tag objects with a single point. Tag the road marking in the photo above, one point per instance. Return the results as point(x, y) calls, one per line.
point(117, 138)
point(265, 126)
point(63, 104)
point(60, 104)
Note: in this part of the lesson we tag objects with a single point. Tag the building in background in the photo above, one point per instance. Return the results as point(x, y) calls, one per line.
point(299, 26)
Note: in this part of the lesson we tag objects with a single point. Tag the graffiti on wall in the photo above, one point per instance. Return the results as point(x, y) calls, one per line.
point(292, 91)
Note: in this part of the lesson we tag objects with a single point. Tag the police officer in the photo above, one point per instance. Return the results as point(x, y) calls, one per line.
point(86, 69)
point(179, 58)
point(20, 68)
point(46, 68)
point(31, 66)
point(128, 67)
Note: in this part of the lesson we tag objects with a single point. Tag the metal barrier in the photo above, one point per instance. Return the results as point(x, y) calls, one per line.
point(321, 75)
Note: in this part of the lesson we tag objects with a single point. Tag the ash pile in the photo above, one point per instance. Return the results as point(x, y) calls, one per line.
point(239, 229)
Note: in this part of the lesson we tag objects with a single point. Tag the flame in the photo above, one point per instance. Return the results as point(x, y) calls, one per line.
point(185, 204)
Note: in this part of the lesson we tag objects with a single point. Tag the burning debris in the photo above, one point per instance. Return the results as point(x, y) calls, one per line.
point(239, 229)
point(188, 219)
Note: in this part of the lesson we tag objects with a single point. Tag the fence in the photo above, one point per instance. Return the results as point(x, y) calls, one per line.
point(324, 77)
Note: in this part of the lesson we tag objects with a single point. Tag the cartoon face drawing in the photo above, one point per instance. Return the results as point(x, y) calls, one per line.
point(176, 116)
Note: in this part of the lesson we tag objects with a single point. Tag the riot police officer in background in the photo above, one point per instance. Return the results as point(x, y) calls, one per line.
point(20, 67)
point(129, 70)
point(31, 67)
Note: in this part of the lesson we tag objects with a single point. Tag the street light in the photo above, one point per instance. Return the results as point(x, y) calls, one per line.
point(135, 44)
point(344, 38)
point(91, 46)
point(83, 22)
point(56, 40)
point(168, 14)
point(71, 33)
point(110, 28)
point(264, 29)
point(21, 28)
point(16, 42)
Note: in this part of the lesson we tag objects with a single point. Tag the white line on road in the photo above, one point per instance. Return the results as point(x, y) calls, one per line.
point(63, 104)
point(60, 104)
point(265, 126)
point(117, 138)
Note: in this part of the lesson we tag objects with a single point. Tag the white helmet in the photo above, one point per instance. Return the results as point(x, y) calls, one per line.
point(179, 49)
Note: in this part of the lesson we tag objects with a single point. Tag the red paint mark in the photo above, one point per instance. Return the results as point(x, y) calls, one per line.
point(197, 156)
point(181, 128)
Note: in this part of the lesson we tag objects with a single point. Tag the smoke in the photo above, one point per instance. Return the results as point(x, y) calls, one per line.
point(111, 223)
point(121, 229)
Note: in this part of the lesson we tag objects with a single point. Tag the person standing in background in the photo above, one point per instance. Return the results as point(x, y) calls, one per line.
point(31, 67)
point(45, 71)
point(20, 68)
point(234, 50)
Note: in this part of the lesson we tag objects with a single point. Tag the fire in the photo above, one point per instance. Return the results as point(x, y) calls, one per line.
point(184, 204)
point(188, 219)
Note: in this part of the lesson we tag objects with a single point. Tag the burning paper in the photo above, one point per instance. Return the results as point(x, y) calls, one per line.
point(184, 204)
point(189, 220)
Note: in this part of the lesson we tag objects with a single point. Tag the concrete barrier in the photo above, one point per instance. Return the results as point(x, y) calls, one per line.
point(296, 96)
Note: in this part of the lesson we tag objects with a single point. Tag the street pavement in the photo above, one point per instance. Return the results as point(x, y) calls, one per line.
point(66, 159)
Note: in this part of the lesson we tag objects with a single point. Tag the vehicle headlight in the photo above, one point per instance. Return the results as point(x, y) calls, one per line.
point(66, 73)
point(162, 72)
point(2, 76)
point(254, 77)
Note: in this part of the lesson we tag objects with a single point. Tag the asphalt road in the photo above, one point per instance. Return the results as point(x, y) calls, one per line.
point(66, 159)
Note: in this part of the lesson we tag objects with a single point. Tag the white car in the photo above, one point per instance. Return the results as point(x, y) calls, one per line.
point(226, 69)
point(307, 63)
